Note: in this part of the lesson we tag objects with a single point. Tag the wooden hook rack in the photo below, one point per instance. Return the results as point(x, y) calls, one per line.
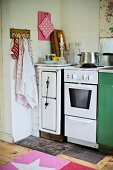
point(24, 33)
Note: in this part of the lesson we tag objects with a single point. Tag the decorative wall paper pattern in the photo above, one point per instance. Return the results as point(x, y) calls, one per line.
point(106, 18)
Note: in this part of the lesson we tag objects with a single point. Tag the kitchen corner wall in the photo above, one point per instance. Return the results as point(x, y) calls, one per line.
point(22, 14)
point(79, 19)
point(80, 23)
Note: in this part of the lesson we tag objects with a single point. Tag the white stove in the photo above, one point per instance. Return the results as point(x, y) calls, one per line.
point(81, 104)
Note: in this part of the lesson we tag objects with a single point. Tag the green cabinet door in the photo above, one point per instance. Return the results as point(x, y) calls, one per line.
point(105, 109)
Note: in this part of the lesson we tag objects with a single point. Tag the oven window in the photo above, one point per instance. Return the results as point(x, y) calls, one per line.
point(80, 98)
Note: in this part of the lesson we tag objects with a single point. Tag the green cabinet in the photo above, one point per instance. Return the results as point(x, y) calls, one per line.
point(105, 109)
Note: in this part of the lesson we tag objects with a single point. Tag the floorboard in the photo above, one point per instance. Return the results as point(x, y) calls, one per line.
point(9, 152)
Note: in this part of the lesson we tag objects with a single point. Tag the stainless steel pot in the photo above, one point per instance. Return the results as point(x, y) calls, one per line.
point(106, 59)
point(89, 57)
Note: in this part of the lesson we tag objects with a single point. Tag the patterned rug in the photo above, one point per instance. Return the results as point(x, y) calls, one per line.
point(46, 162)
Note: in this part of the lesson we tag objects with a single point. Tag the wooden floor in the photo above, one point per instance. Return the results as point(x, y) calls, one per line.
point(9, 152)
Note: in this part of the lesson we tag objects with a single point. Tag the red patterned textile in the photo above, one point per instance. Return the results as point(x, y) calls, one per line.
point(15, 48)
point(74, 166)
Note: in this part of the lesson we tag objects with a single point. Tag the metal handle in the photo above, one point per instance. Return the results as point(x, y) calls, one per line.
point(47, 82)
point(81, 120)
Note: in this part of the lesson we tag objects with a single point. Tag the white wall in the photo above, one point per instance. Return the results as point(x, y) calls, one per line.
point(1, 104)
point(7, 116)
point(23, 15)
point(80, 22)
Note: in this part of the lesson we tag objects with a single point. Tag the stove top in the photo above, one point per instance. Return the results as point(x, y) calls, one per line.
point(78, 74)
point(90, 65)
point(84, 67)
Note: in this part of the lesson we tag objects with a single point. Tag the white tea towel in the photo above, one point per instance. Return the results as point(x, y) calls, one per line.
point(26, 88)
point(106, 45)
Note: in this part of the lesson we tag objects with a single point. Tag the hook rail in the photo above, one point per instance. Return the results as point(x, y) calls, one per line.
point(24, 33)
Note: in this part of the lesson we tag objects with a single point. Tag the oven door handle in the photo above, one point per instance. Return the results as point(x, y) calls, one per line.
point(81, 119)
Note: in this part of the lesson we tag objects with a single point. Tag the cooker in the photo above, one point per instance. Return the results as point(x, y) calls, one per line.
point(80, 86)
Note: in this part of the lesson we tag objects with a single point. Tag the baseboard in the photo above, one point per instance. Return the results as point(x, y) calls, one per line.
point(58, 138)
point(6, 137)
point(106, 149)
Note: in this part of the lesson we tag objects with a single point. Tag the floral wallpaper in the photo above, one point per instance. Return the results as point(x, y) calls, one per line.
point(106, 18)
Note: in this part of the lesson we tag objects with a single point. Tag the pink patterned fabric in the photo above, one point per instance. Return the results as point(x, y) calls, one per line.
point(45, 161)
point(46, 27)
point(22, 100)
point(41, 16)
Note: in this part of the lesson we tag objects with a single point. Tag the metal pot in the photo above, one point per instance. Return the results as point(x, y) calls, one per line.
point(89, 57)
point(106, 59)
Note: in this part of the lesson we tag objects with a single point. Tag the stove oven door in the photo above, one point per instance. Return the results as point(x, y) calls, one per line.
point(81, 100)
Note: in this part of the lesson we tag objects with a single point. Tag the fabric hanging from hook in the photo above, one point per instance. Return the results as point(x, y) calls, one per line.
point(15, 48)
point(26, 88)
point(15, 35)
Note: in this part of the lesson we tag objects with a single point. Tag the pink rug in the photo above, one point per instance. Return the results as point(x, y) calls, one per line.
point(45, 161)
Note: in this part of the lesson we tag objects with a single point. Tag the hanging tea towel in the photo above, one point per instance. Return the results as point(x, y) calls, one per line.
point(46, 27)
point(15, 48)
point(26, 88)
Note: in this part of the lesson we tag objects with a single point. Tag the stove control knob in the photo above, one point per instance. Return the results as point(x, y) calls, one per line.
point(86, 77)
point(82, 78)
point(67, 76)
point(74, 76)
